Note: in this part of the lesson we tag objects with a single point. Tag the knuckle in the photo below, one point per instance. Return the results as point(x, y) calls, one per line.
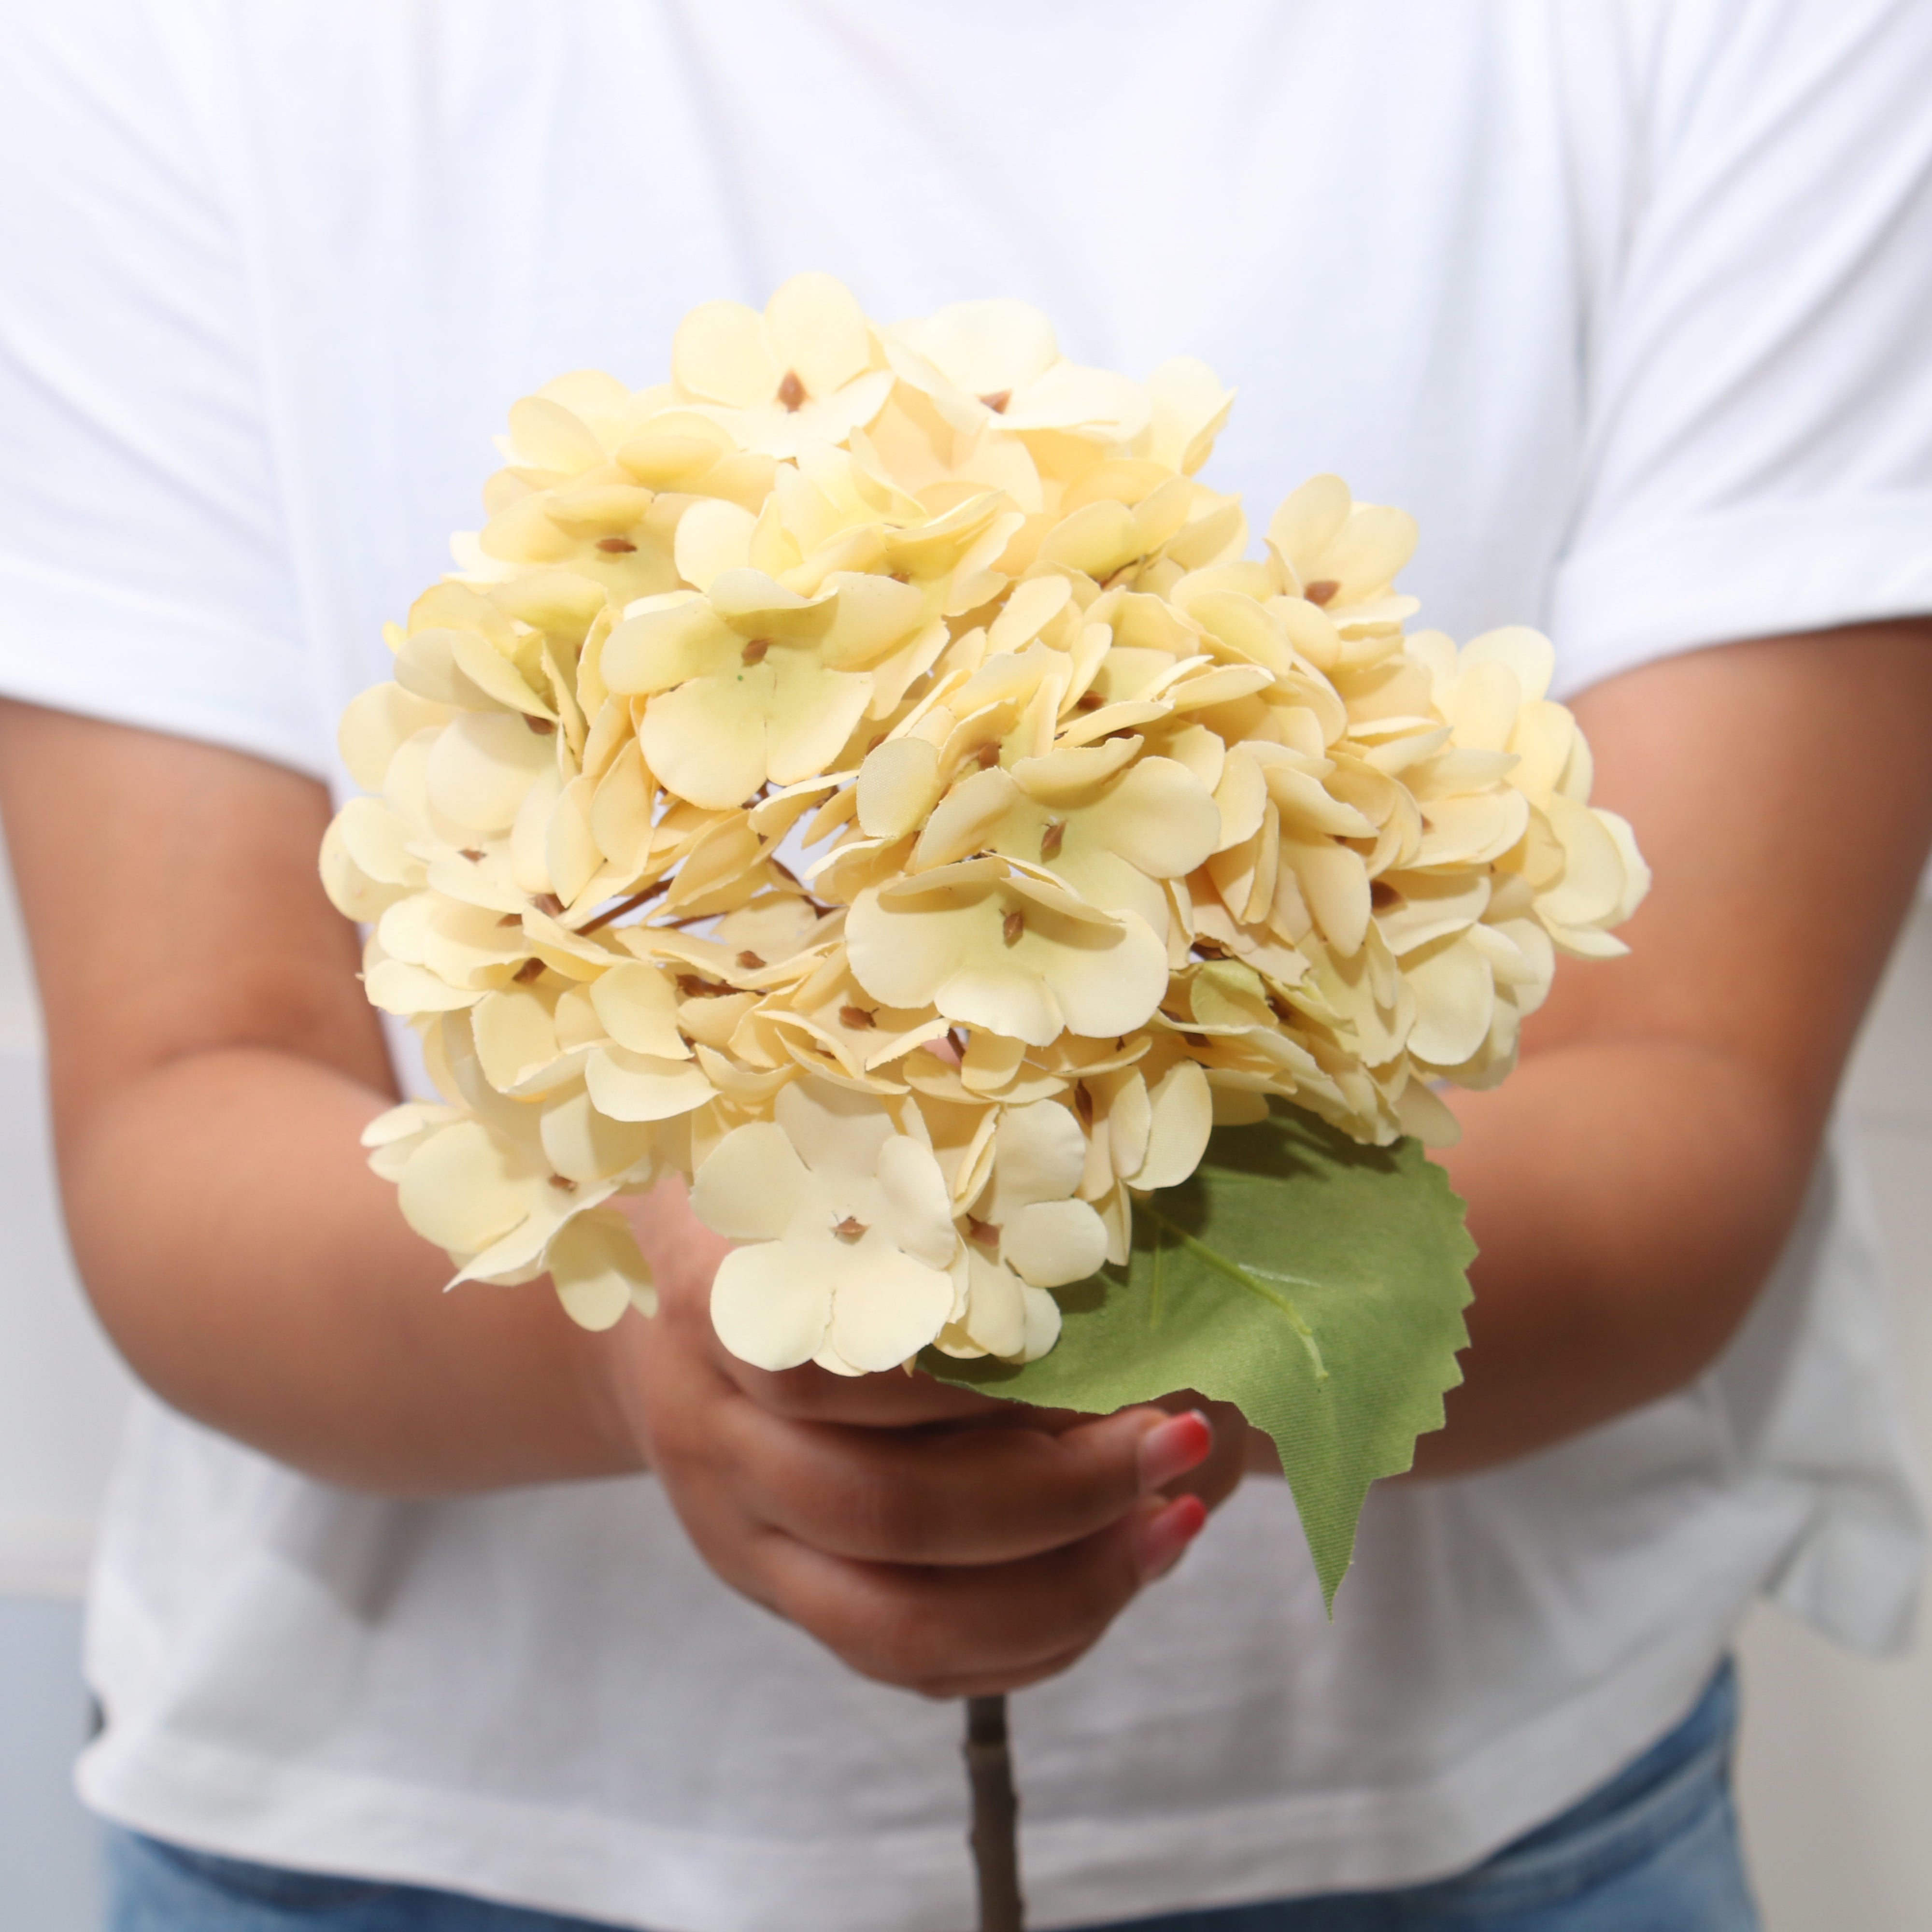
point(889, 1638)
point(896, 1517)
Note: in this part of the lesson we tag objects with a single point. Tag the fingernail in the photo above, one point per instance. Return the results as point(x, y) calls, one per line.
point(1172, 1447)
point(1160, 1539)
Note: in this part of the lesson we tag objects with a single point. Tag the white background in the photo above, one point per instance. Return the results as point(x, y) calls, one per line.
point(1837, 1769)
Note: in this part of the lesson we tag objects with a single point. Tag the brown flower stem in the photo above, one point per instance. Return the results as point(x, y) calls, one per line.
point(996, 1851)
point(623, 906)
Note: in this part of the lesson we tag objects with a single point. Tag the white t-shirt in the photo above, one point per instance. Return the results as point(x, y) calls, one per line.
point(1626, 301)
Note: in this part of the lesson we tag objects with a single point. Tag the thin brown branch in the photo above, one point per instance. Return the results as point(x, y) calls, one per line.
point(996, 1853)
point(623, 906)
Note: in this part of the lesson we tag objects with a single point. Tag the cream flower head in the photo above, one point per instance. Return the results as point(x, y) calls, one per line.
point(868, 776)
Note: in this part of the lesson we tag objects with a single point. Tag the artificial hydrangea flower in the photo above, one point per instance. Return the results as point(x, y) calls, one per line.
point(869, 777)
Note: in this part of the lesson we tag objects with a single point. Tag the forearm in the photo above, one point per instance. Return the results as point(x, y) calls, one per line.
point(257, 1276)
point(1628, 1199)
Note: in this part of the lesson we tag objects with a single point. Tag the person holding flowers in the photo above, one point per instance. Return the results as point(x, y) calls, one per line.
point(857, 815)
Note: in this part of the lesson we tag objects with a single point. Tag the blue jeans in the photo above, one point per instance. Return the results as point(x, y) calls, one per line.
point(1654, 1850)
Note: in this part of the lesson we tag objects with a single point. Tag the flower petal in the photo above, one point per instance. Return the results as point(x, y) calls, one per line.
point(705, 740)
point(752, 1186)
point(919, 1216)
point(1455, 997)
point(818, 332)
point(598, 1271)
point(1182, 1111)
point(1051, 1243)
point(1039, 1152)
point(465, 1187)
point(638, 1006)
point(723, 353)
point(898, 785)
point(886, 1306)
point(640, 1087)
point(984, 347)
point(772, 1304)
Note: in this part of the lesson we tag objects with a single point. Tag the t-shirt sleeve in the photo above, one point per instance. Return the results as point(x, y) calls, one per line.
point(1760, 432)
point(145, 574)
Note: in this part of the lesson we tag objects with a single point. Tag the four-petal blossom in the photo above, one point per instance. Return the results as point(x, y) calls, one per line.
point(849, 1229)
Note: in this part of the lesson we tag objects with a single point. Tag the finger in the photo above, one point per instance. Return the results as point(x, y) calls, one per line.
point(1001, 1623)
point(892, 1399)
point(1000, 1683)
point(959, 1496)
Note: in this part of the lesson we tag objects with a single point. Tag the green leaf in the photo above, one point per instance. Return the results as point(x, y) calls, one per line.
point(1317, 1284)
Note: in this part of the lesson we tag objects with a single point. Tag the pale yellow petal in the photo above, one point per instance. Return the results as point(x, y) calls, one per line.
point(1593, 881)
point(986, 347)
point(1455, 996)
point(465, 1187)
point(1308, 520)
point(996, 1311)
point(723, 353)
point(706, 741)
point(898, 785)
point(638, 1007)
point(886, 1306)
point(481, 765)
point(1049, 1243)
point(919, 1211)
point(1039, 1152)
point(599, 1273)
point(664, 641)
point(376, 723)
point(752, 1185)
point(641, 1087)
point(772, 1304)
point(813, 712)
point(1041, 1329)
point(585, 1146)
point(547, 435)
point(713, 536)
point(818, 333)
point(1528, 653)
point(963, 820)
point(1160, 819)
point(1182, 1108)
point(515, 1035)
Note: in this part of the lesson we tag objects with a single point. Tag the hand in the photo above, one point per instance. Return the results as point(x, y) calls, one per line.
point(930, 1537)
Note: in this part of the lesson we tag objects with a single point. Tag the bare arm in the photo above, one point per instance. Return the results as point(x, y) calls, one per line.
point(1630, 1185)
point(212, 1063)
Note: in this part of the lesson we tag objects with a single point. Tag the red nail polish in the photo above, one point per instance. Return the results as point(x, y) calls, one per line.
point(1172, 1448)
point(1160, 1538)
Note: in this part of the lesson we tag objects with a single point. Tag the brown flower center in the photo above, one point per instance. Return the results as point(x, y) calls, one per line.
point(856, 1016)
point(850, 1228)
point(791, 392)
point(998, 400)
point(754, 652)
point(615, 546)
point(1052, 839)
point(1320, 590)
point(1013, 926)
